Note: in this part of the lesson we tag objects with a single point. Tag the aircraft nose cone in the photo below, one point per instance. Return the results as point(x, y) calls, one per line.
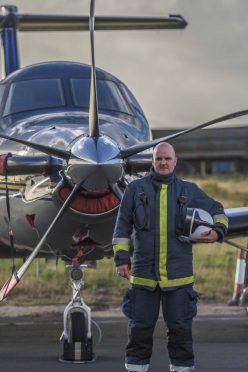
point(95, 163)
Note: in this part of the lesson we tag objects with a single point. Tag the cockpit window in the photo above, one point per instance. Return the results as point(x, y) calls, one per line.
point(133, 101)
point(108, 93)
point(34, 94)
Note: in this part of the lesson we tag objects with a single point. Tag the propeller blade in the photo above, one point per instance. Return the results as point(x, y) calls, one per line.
point(93, 111)
point(8, 286)
point(138, 148)
point(17, 275)
point(58, 153)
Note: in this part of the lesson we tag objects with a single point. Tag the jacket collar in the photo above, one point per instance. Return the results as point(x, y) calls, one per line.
point(158, 178)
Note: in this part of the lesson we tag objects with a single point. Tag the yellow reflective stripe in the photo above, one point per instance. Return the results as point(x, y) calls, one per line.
point(176, 282)
point(119, 247)
point(143, 281)
point(163, 284)
point(224, 221)
point(163, 234)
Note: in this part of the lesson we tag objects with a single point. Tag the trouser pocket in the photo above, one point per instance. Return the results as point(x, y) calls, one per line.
point(128, 305)
point(191, 297)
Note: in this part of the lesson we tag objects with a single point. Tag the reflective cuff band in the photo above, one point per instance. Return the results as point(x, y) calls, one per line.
point(221, 218)
point(121, 247)
point(137, 367)
point(116, 241)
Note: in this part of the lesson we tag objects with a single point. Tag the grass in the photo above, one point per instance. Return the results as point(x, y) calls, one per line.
point(214, 268)
point(42, 285)
point(214, 265)
point(230, 192)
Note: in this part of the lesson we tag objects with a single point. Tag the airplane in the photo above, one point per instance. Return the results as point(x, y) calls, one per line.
point(72, 136)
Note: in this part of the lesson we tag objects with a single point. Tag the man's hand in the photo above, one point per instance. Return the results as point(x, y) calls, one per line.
point(210, 236)
point(123, 270)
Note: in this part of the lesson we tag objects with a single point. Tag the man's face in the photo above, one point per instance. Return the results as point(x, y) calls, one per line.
point(164, 159)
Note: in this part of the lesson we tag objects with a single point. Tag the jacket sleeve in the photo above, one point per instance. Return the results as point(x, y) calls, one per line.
point(124, 228)
point(202, 200)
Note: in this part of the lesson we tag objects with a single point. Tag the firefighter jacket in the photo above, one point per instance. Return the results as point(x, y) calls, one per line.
point(147, 223)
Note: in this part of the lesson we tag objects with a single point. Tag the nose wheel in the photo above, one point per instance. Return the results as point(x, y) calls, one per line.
point(76, 336)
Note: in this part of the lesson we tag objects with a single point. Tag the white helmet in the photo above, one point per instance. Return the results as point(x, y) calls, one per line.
point(197, 221)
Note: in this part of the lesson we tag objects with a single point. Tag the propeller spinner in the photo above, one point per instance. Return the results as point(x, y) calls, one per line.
point(95, 163)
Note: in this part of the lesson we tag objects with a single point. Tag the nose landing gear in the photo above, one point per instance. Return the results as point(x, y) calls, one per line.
point(76, 336)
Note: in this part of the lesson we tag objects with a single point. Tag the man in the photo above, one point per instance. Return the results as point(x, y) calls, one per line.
point(161, 266)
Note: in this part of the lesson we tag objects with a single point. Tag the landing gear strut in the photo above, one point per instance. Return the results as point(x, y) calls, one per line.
point(77, 338)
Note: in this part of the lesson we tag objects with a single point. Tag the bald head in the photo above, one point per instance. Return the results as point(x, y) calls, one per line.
point(164, 145)
point(164, 158)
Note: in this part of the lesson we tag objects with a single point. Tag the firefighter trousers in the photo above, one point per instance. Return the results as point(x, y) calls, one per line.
point(141, 306)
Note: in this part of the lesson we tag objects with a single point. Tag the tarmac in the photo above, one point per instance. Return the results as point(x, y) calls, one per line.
point(29, 340)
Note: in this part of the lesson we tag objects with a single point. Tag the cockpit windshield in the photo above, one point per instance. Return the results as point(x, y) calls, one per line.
point(109, 95)
point(33, 95)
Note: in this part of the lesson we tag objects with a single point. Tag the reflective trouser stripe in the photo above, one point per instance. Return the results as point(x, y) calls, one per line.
point(181, 368)
point(137, 367)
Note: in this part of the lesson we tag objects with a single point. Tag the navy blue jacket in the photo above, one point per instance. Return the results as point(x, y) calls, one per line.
point(147, 220)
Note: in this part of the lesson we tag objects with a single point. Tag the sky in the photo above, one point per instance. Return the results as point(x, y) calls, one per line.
point(180, 77)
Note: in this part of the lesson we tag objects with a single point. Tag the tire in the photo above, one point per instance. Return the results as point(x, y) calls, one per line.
point(77, 330)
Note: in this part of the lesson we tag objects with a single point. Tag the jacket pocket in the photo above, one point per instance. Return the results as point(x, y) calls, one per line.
point(141, 217)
